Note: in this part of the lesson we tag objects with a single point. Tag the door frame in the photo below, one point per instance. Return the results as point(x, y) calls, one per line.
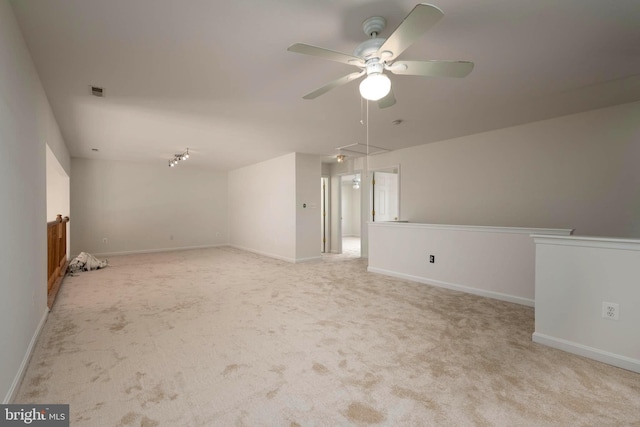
point(325, 218)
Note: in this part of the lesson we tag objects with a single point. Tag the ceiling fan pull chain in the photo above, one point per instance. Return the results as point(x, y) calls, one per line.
point(367, 162)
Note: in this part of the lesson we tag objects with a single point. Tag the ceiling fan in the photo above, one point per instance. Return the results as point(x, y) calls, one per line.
point(377, 55)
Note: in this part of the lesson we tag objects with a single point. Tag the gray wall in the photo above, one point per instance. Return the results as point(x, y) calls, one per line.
point(141, 207)
point(266, 213)
point(262, 202)
point(579, 171)
point(26, 125)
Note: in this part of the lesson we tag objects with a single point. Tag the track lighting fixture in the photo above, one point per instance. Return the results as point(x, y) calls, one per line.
point(178, 157)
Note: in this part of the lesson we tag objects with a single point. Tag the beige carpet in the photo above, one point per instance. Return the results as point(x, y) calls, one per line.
point(221, 337)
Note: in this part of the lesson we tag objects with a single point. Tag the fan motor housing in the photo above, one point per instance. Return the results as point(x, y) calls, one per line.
point(368, 47)
point(374, 66)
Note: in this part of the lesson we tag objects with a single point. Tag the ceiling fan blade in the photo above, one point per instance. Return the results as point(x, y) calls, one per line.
point(419, 20)
point(387, 101)
point(338, 82)
point(432, 68)
point(321, 52)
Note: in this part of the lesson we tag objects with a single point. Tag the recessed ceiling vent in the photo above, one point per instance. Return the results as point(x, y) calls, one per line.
point(97, 91)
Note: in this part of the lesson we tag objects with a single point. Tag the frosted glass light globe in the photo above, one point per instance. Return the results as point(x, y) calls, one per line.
point(375, 86)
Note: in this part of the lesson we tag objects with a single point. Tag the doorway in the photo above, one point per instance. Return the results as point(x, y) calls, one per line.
point(350, 214)
point(325, 223)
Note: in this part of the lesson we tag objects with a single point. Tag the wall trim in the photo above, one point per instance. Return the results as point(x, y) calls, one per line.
point(589, 352)
point(589, 242)
point(478, 228)
point(150, 251)
point(313, 258)
point(267, 254)
point(186, 248)
point(15, 385)
point(455, 287)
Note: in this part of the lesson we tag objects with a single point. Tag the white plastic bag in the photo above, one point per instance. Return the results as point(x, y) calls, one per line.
point(86, 262)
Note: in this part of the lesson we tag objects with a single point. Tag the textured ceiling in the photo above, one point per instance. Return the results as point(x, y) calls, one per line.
point(215, 76)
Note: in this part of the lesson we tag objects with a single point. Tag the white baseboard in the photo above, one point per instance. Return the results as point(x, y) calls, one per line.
point(151, 251)
point(589, 352)
point(313, 258)
point(15, 385)
point(439, 283)
point(270, 255)
point(186, 248)
point(267, 254)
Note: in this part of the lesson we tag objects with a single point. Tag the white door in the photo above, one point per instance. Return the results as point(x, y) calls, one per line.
point(384, 196)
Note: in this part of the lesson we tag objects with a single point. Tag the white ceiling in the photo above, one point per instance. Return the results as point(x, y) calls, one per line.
point(215, 75)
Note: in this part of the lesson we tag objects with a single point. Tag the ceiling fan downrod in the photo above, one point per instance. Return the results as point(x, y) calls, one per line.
point(371, 27)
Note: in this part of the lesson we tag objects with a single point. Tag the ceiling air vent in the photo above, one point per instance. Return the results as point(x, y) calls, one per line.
point(97, 91)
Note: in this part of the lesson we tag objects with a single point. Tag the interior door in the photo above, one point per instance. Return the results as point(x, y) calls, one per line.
point(384, 195)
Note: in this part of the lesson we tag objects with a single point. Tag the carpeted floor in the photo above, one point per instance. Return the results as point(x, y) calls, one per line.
point(351, 247)
point(222, 337)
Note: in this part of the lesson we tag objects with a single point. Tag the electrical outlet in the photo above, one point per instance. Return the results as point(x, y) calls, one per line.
point(432, 259)
point(610, 310)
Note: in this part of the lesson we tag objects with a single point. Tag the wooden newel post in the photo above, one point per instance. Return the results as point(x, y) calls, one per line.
point(56, 255)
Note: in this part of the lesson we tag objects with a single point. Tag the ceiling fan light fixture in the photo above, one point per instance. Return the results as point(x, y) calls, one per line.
point(376, 86)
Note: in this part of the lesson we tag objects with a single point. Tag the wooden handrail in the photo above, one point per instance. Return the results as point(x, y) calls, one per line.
point(56, 256)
